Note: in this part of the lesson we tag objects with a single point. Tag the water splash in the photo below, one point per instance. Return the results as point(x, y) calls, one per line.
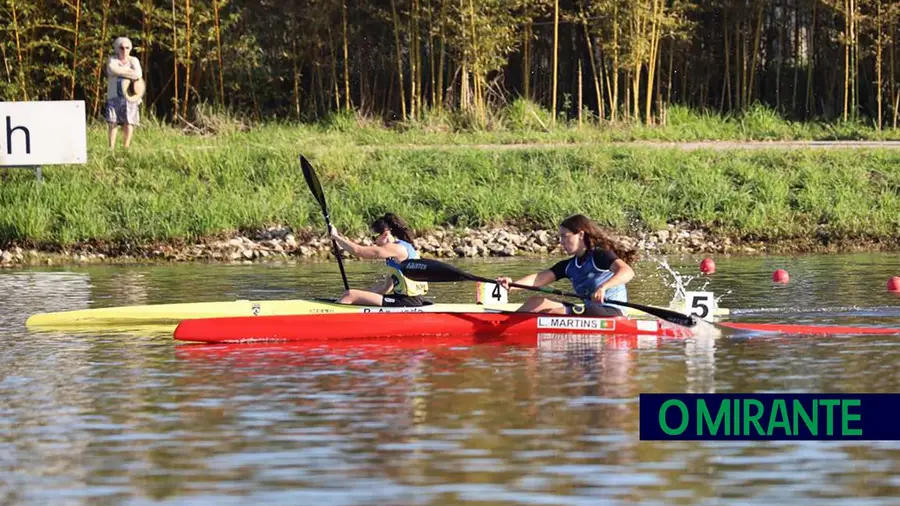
point(680, 283)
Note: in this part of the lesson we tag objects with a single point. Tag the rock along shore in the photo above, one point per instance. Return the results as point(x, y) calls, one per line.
point(282, 242)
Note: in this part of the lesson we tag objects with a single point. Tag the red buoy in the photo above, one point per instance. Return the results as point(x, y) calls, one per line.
point(781, 276)
point(893, 284)
point(707, 266)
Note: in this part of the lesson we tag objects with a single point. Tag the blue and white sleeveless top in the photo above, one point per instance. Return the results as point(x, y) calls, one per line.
point(589, 272)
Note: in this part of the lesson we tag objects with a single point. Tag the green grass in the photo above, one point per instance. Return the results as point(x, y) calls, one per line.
point(172, 186)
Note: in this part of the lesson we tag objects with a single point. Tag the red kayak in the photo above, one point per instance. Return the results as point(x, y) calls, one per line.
point(330, 327)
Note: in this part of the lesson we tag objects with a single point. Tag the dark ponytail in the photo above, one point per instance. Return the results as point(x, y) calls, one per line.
point(595, 237)
point(398, 227)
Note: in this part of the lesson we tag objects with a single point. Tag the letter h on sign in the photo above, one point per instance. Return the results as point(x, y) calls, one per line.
point(9, 137)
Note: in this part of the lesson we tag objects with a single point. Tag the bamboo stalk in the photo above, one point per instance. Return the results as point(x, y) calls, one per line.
point(177, 104)
point(5, 63)
point(846, 42)
point(894, 95)
point(296, 72)
point(652, 62)
point(614, 100)
point(526, 60)
point(431, 54)
point(98, 82)
point(188, 63)
point(335, 87)
point(440, 79)
point(146, 31)
point(399, 58)
point(221, 68)
point(878, 64)
point(580, 102)
point(555, 56)
point(347, 101)
point(476, 67)
point(75, 49)
point(810, 100)
point(19, 59)
point(587, 37)
point(414, 59)
point(779, 57)
point(754, 50)
point(671, 70)
point(796, 42)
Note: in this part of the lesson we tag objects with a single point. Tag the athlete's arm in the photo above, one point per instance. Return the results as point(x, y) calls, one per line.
point(622, 273)
point(371, 252)
point(537, 279)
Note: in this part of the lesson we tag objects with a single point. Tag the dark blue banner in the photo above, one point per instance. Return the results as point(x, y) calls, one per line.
point(748, 417)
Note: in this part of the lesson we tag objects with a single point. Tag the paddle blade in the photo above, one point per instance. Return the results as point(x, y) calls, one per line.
point(313, 182)
point(661, 313)
point(428, 270)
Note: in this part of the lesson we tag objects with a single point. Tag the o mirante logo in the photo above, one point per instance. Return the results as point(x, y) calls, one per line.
point(769, 416)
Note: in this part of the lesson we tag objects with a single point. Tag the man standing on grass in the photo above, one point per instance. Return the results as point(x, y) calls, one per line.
point(125, 86)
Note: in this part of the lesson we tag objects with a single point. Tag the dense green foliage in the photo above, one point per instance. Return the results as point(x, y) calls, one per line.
point(411, 60)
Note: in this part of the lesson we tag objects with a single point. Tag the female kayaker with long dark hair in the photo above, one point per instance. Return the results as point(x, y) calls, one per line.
point(393, 242)
point(599, 269)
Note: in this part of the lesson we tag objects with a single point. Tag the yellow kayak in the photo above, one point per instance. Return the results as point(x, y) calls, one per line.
point(165, 317)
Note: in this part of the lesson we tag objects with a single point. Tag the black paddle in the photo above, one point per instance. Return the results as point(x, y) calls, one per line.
point(313, 181)
point(424, 269)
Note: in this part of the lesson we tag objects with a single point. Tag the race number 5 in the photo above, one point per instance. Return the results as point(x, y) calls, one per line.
point(702, 304)
point(490, 293)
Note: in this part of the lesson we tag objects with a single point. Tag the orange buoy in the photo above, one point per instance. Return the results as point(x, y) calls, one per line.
point(707, 266)
point(893, 284)
point(781, 276)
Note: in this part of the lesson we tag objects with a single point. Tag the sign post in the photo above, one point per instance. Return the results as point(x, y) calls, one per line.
point(34, 134)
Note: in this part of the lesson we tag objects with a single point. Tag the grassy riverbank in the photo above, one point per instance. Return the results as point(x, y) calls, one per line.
point(172, 186)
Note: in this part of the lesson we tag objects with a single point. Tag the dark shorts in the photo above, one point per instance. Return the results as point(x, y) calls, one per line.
point(593, 309)
point(395, 300)
point(121, 111)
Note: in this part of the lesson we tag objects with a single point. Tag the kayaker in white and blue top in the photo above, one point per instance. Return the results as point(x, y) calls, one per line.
point(598, 270)
point(393, 243)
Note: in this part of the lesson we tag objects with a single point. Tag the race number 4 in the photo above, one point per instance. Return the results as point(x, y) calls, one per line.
point(490, 293)
point(702, 304)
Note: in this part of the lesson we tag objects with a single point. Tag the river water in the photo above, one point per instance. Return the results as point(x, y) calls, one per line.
point(131, 419)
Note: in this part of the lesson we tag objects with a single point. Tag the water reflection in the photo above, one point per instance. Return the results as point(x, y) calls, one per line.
point(97, 419)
